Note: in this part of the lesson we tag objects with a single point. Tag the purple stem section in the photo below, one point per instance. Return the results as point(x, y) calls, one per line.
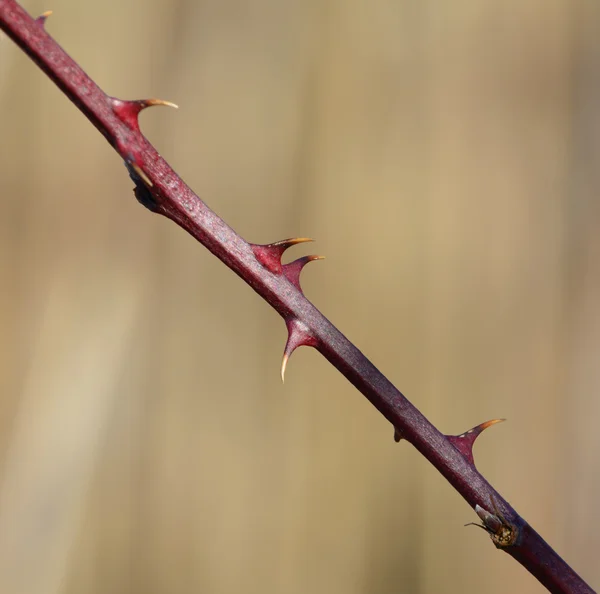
point(175, 200)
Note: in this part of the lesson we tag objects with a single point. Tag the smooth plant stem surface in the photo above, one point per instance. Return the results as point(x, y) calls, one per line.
point(162, 190)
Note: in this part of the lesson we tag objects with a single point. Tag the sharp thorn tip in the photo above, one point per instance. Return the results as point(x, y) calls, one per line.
point(492, 422)
point(292, 241)
point(42, 18)
point(283, 366)
point(152, 102)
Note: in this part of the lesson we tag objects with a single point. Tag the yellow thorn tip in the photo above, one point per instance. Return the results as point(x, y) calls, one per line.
point(292, 241)
point(283, 366)
point(151, 102)
point(492, 422)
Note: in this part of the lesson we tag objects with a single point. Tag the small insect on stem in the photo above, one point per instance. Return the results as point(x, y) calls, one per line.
point(141, 191)
point(502, 533)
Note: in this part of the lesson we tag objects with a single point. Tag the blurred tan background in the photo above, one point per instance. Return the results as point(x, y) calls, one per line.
point(445, 155)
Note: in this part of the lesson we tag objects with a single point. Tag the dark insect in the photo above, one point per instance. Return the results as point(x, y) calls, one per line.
point(502, 533)
point(141, 191)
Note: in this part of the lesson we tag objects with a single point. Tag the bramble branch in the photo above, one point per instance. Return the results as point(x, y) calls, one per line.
point(161, 190)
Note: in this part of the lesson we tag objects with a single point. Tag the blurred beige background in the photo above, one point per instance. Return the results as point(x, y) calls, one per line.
point(445, 157)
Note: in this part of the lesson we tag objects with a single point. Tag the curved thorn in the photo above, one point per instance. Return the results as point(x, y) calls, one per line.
point(293, 269)
point(284, 362)
point(397, 435)
point(464, 442)
point(477, 430)
point(269, 255)
point(286, 243)
point(298, 335)
point(128, 111)
point(151, 102)
point(42, 18)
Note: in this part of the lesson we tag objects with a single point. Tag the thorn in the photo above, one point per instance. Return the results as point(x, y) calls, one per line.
point(293, 269)
point(128, 111)
point(284, 361)
point(269, 255)
point(397, 435)
point(298, 335)
point(42, 18)
point(286, 243)
point(464, 442)
point(151, 102)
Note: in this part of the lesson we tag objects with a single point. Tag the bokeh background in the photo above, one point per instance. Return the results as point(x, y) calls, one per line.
point(445, 155)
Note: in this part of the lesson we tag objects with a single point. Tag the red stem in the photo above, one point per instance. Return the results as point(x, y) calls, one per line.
point(162, 190)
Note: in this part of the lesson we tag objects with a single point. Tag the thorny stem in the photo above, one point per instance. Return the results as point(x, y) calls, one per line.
point(163, 191)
